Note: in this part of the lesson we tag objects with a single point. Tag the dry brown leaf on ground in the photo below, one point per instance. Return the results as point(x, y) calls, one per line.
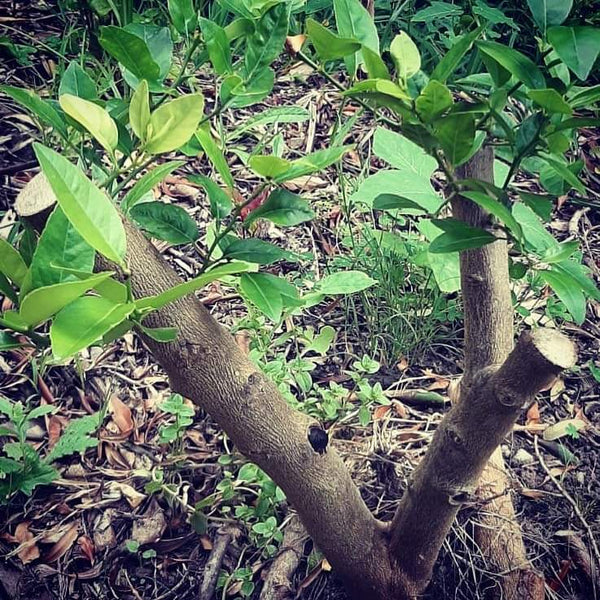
point(87, 547)
point(27, 550)
point(121, 415)
point(63, 544)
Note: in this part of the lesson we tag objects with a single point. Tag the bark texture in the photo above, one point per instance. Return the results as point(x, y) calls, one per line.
point(488, 317)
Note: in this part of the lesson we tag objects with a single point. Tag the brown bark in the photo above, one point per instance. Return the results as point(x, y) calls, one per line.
point(488, 317)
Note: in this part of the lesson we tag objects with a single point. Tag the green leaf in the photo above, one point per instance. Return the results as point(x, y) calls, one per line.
point(433, 101)
point(166, 222)
point(41, 303)
point(581, 274)
point(76, 437)
point(147, 182)
point(183, 16)
point(282, 208)
point(214, 153)
point(458, 236)
point(8, 342)
point(496, 208)
point(187, 287)
point(94, 118)
point(578, 47)
point(585, 96)
point(139, 111)
point(522, 67)
point(91, 212)
point(551, 100)
point(160, 334)
point(562, 170)
point(376, 68)
point(83, 322)
point(277, 114)
point(240, 94)
point(328, 45)
point(42, 109)
point(456, 134)
point(353, 21)
point(172, 124)
point(77, 82)
point(569, 293)
point(131, 51)
point(217, 46)
point(549, 12)
point(60, 245)
point(394, 202)
point(344, 282)
point(110, 288)
point(560, 252)
point(11, 263)
point(220, 202)
point(406, 56)
point(260, 290)
point(265, 44)
point(437, 10)
point(269, 166)
point(536, 236)
point(256, 251)
point(452, 58)
point(541, 205)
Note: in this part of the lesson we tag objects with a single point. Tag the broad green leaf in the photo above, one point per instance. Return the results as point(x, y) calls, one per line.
point(131, 51)
point(77, 82)
point(110, 288)
point(240, 94)
point(496, 208)
point(522, 67)
point(581, 274)
point(433, 101)
point(187, 287)
point(536, 236)
point(328, 45)
point(166, 222)
point(585, 96)
point(259, 289)
point(445, 267)
point(183, 16)
point(265, 44)
point(458, 236)
point(8, 342)
point(406, 56)
point(282, 208)
point(560, 252)
point(7, 289)
point(269, 166)
point(456, 134)
point(42, 109)
point(277, 114)
point(394, 202)
point(551, 100)
point(562, 171)
point(404, 155)
point(139, 111)
point(91, 212)
point(569, 293)
point(217, 46)
point(376, 68)
point(214, 153)
point(452, 58)
point(83, 322)
point(437, 10)
point(549, 12)
point(41, 303)
point(94, 118)
point(353, 21)
point(381, 92)
point(257, 251)
point(220, 201)
point(147, 182)
point(174, 123)
point(541, 205)
point(344, 282)
point(11, 263)
point(60, 245)
point(160, 334)
point(578, 47)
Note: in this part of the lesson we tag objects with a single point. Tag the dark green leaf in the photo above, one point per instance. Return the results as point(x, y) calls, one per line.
point(563, 171)
point(497, 209)
point(217, 46)
point(456, 134)
point(166, 222)
point(549, 12)
point(259, 289)
point(282, 208)
point(220, 202)
point(569, 293)
point(256, 251)
point(578, 47)
point(452, 58)
point(328, 45)
point(77, 82)
point(11, 263)
point(183, 16)
point(551, 100)
point(394, 202)
point(458, 236)
point(433, 101)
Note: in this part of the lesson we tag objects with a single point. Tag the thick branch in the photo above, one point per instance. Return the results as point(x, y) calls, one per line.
point(464, 441)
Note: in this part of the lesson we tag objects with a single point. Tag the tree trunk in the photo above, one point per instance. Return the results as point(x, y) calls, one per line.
point(488, 318)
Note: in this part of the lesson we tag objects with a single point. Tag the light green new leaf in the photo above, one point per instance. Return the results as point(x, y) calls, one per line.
point(91, 212)
point(549, 12)
point(139, 111)
point(41, 303)
point(551, 100)
point(445, 267)
point(11, 263)
point(259, 289)
point(497, 209)
point(328, 45)
point(147, 182)
point(166, 222)
point(187, 287)
point(83, 322)
point(568, 291)
point(456, 134)
point(403, 154)
point(174, 123)
point(214, 152)
point(282, 208)
point(270, 166)
point(217, 46)
point(406, 56)
point(94, 118)
point(522, 67)
point(60, 247)
point(578, 47)
point(433, 101)
point(344, 282)
point(458, 236)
